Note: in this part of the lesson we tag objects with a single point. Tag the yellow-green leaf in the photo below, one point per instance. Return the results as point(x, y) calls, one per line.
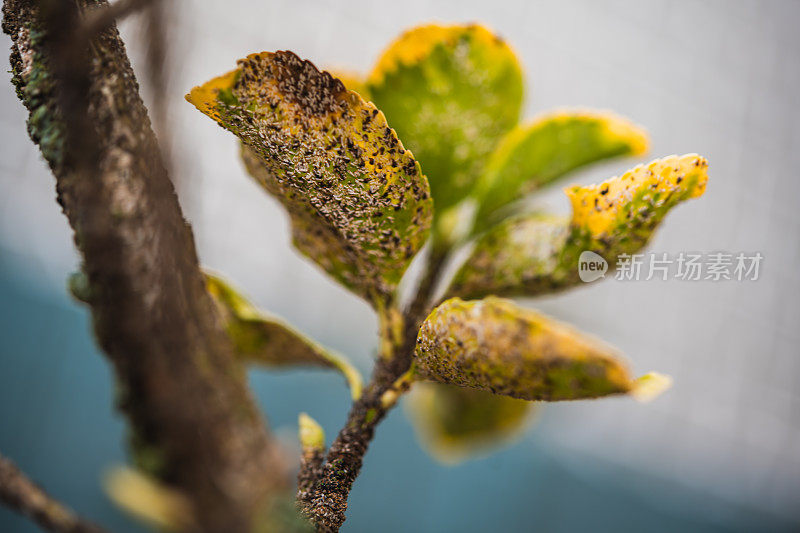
point(149, 500)
point(544, 150)
point(536, 254)
point(451, 92)
point(359, 204)
point(496, 346)
point(262, 339)
point(456, 423)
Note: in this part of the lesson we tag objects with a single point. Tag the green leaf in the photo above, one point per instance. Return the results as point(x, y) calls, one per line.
point(359, 204)
point(451, 92)
point(455, 423)
point(537, 254)
point(262, 339)
point(538, 153)
point(496, 346)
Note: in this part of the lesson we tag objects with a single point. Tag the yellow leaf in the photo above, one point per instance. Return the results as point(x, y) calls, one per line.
point(644, 191)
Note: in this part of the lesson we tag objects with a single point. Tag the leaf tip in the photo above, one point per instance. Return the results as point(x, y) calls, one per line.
point(206, 97)
point(649, 386)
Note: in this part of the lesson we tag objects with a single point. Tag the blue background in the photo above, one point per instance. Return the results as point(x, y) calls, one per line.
point(58, 424)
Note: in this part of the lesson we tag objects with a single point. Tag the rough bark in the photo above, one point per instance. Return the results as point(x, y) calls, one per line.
point(193, 422)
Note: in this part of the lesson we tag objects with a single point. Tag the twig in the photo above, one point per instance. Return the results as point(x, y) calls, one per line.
point(326, 503)
point(21, 494)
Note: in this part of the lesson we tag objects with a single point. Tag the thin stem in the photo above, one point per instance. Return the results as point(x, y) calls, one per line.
point(21, 494)
point(326, 503)
point(420, 305)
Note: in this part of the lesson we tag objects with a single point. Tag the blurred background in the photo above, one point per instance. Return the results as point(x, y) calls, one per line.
point(719, 452)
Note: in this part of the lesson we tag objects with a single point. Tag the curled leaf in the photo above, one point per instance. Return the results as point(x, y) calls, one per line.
point(359, 204)
point(455, 423)
point(538, 153)
point(310, 433)
point(259, 338)
point(536, 254)
point(496, 346)
point(149, 500)
point(451, 92)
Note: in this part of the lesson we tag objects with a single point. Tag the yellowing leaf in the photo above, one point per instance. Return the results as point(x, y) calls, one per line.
point(359, 204)
point(496, 346)
point(259, 338)
point(537, 254)
point(451, 92)
point(538, 153)
point(640, 197)
point(456, 423)
point(149, 500)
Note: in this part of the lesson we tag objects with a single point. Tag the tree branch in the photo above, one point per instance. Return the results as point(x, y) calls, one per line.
point(193, 422)
point(21, 494)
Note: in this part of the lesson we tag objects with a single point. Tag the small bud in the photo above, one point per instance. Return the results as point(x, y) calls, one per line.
point(310, 433)
point(78, 285)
